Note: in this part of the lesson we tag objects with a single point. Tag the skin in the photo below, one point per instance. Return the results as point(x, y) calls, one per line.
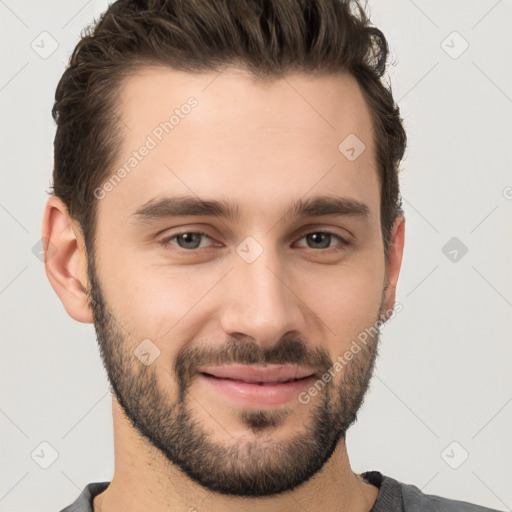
point(260, 145)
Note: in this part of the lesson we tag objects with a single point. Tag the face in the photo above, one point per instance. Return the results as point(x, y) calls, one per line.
point(237, 260)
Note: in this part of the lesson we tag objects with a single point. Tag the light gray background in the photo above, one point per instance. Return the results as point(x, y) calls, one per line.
point(444, 370)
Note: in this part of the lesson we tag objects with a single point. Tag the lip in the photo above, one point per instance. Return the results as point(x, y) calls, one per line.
point(257, 386)
point(270, 374)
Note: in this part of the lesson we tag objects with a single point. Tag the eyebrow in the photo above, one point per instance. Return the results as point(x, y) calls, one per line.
point(182, 206)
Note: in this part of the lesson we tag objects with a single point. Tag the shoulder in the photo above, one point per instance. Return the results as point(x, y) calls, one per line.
point(416, 501)
point(84, 502)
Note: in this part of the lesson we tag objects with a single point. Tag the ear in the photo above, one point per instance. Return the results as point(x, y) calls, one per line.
point(394, 263)
point(65, 259)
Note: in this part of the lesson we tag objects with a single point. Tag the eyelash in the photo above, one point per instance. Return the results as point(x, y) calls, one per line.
point(166, 242)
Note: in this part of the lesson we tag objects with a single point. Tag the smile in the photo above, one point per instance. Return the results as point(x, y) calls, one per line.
point(256, 386)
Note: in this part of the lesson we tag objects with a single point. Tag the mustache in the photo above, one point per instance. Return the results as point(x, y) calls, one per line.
point(242, 351)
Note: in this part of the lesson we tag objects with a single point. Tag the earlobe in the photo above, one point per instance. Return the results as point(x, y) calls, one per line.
point(394, 263)
point(65, 259)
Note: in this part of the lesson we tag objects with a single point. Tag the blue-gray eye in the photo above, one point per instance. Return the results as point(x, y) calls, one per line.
point(322, 239)
point(186, 240)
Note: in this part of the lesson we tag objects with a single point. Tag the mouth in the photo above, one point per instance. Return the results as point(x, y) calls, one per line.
point(256, 386)
point(261, 375)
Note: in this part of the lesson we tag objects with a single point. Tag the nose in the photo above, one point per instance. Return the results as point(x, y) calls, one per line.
point(261, 301)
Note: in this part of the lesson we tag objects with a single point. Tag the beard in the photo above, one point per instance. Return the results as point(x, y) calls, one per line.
point(253, 465)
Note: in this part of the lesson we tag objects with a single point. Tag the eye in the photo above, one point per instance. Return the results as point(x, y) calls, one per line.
point(187, 240)
point(323, 239)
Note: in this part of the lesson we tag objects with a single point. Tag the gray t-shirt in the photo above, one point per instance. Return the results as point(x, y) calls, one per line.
point(393, 496)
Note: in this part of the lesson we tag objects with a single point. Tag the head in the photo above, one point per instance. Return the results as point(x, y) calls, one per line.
point(226, 193)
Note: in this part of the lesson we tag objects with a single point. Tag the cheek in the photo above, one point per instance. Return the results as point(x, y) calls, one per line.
point(153, 301)
point(346, 299)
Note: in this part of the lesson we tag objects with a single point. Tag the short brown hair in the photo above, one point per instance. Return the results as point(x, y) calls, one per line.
point(266, 37)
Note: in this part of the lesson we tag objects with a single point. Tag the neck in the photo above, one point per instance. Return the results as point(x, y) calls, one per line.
point(145, 480)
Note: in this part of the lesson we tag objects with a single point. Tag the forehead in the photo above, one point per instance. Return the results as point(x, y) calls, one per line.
point(233, 97)
point(227, 135)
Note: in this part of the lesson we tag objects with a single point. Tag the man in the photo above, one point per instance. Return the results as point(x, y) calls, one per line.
point(226, 211)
